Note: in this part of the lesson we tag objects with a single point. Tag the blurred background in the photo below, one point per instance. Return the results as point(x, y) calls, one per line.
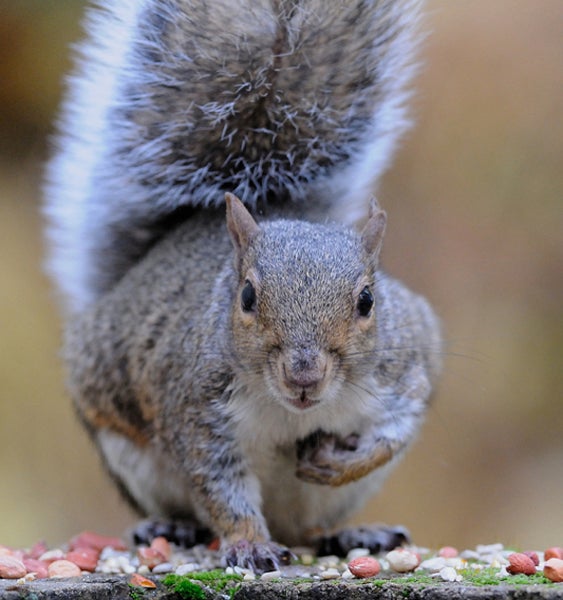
point(475, 202)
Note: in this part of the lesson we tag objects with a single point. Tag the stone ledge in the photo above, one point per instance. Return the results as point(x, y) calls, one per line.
point(103, 587)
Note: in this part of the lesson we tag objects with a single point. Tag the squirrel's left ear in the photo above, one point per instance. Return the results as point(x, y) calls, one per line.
point(242, 227)
point(374, 229)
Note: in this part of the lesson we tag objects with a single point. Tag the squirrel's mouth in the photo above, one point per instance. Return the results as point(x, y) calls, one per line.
point(303, 402)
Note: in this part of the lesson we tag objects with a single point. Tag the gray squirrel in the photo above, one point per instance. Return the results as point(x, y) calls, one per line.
point(255, 379)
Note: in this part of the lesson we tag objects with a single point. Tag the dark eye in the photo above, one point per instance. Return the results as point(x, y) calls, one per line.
point(248, 297)
point(365, 302)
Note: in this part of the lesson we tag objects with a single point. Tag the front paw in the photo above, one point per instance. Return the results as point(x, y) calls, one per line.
point(260, 557)
point(329, 459)
point(323, 458)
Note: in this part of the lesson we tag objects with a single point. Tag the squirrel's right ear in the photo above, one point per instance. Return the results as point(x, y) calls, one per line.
point(242, 227)
point(374, 229)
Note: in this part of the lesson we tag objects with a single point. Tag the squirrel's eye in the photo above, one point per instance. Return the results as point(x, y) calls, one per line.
point(248, 297)
point(365, 302)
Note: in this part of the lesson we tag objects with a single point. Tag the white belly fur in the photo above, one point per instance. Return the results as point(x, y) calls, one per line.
point(156, 487)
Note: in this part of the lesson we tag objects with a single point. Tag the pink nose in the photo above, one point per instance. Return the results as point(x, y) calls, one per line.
point(304, 369)
point(303, 379)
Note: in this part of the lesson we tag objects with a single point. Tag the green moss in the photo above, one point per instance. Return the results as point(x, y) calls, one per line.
point(527, 579)
point(489, 576)
point(486, 576)
point(135, 593)
point(418, 578)
point(184, 587)
point(300, 580)
point(189, 588)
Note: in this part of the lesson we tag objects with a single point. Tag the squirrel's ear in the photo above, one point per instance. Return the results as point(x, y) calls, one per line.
point(242, 227)
point(372, 234)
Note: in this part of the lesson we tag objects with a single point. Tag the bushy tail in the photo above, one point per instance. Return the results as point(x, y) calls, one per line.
point(177, 101)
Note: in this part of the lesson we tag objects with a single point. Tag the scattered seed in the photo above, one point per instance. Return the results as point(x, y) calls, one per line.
point(11, 568)
point(190, 568)
point(356, 553)
point(52, 555)
point(553, 569)
point(520, 563)
point(92, 552)
point(269, 575)
point(448, 552)
point(364, 566)
point(330, 573)
point(450, 574)
point(162, 546)
point(402, 561)
point(554, 552)
point(164, 567)
point(149, 557)
point(38, 567)
point(534, 557)
point(140, 581)
point(470, 555)
point(328, 562)
point(307, 559)
point(64, 568)
point(489, 548)
point(85, 558)
point(27, 579)
point(433, 564)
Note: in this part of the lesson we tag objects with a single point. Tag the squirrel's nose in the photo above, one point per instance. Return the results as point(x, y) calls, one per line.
point(305, 369)
point(303, 379)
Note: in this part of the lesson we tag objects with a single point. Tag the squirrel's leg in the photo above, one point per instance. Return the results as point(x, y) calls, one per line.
point(326, 458)
point(235, 515)
point(224, 491)
point(230, 503)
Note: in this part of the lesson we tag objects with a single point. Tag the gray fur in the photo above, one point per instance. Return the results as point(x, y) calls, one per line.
point(175, 102)
point(268, 390)
point(178, 386)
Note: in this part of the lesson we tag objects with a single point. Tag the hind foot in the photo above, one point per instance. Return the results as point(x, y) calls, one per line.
point(376, 538)
point(181, 533)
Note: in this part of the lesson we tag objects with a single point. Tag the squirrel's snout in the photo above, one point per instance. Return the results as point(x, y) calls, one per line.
point(303, 379)
point(304, 371)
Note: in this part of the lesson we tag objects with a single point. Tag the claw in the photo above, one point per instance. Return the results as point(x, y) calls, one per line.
point(260, 557)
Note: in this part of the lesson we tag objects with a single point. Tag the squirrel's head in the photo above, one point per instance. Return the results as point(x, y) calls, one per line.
point(304, 313)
